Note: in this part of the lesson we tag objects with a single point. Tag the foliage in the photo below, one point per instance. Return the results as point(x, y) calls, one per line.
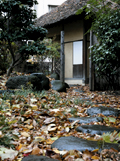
point(17, 26)
point(53, 50)
point(5, 56)
point(4, 139)
point(111, 137)
point(105, 54)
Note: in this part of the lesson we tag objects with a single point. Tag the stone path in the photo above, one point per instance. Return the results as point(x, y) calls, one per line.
point(71, 143)
point(75, 143)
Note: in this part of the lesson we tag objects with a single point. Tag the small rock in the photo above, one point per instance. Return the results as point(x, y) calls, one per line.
point(59, 86)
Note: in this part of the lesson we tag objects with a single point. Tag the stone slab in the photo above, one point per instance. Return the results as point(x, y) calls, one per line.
point(86, 120)
point(96, 129)
point(107, 111)
point(75, 143)
point(38, 158)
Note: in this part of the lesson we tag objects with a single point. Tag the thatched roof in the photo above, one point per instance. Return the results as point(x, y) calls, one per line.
point(67, 9)
point(64, 11)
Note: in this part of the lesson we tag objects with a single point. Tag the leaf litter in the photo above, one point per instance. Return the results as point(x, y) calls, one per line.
point(32, 122)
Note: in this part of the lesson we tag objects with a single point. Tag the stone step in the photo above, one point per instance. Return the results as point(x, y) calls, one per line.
point(96, 129)
point(38, 158)
point(75, 143)
point(107, 111)
point(86, 120)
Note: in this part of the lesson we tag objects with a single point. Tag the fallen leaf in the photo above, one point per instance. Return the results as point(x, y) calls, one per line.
point(49, 141)
point(34, 107)
point(25, 134)
point(73, 123)
point(1, 134)
point(29, 126)
point(26, 154)
point(52, 127)
point(87, 155)
point(95, 150)
point(33, 100)
point(8, 114)
point(12, 122)
point(95, 157)
point(67, 129)
point(19, 147)
point(38, 139)
point(8, 153)
point(49, 120)
point(35, 150)
point(15, 106)
point(54, 138)
point(34, 123)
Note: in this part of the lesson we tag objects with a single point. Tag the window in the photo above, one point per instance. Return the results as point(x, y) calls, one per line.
point(51, 7)
point(77, 52)
point(77, 59)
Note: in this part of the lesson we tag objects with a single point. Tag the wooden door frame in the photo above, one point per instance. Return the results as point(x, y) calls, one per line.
point(85, 80)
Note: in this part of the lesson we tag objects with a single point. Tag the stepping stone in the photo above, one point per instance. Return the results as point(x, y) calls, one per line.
point(85, 99)
point(38, 158)
point(59, 85)
point(96, 129)
point(107, 111)
point(78, 90)
point(71, 143)
point(86, 120)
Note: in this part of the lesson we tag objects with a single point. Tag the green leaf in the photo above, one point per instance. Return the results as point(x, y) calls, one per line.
point(112, 119)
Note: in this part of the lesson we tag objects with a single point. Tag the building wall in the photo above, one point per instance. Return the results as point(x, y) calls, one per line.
point(68, 60)
point(43, 8)
point(54, 31)
point(73, 32)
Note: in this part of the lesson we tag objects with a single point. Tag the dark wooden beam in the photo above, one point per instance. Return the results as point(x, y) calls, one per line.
point(93, 41)
point(62, 57)
point(84, 52)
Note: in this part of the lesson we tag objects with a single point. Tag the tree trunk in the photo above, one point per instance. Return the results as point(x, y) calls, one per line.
point(9, 71)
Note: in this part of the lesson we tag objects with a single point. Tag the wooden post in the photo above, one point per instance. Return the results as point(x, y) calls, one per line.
point(62, 58)
point(84, 53)
point(91, 78)
point(93, 41)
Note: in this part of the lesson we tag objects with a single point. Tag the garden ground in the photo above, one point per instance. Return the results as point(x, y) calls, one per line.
point(30, 122)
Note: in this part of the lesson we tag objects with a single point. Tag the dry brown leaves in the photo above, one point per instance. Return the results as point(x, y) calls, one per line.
point(36, 121)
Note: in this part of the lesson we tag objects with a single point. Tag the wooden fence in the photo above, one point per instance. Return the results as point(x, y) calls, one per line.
point(102, 84)
point(41, 67)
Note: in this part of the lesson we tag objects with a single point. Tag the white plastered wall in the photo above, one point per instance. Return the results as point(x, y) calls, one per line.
point(42, 6)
